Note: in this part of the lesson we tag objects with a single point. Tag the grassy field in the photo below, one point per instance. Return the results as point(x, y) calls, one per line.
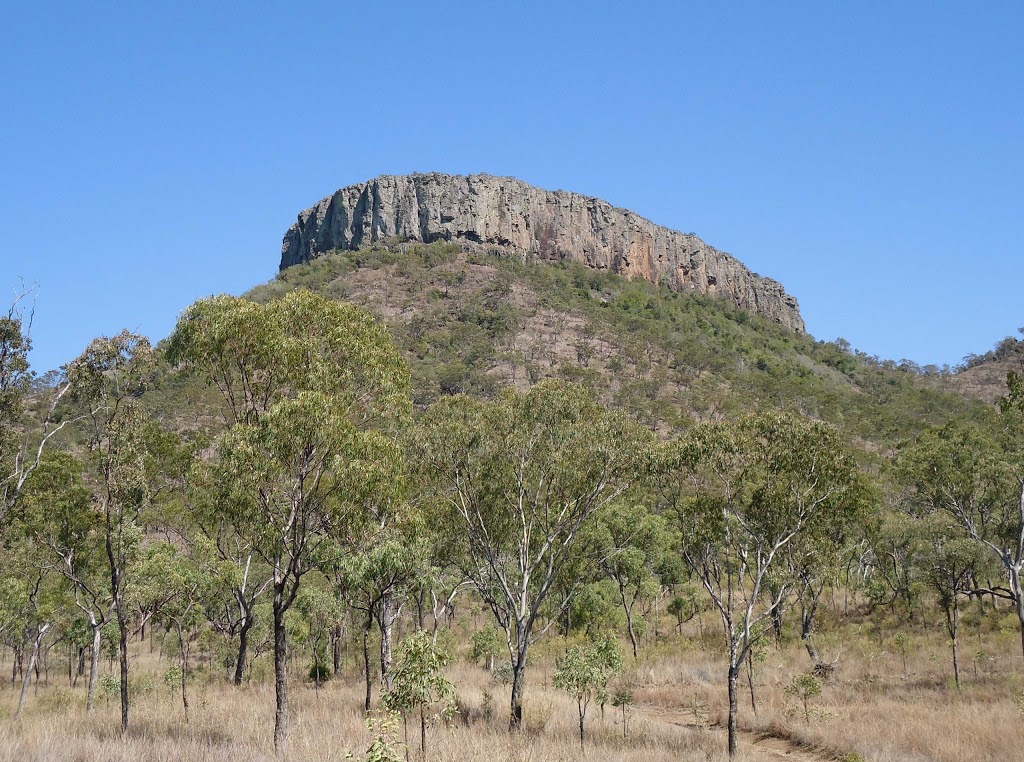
point(889, 701)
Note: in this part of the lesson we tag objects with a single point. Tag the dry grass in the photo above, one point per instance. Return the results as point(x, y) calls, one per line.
point(869, 708)
point(237, 724)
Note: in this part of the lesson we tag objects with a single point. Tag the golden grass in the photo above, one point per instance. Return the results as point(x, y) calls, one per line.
point(869, 708)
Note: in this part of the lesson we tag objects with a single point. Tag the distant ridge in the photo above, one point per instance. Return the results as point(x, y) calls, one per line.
point(507, 214)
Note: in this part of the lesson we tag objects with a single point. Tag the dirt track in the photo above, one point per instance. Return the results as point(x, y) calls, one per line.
point(753, 747)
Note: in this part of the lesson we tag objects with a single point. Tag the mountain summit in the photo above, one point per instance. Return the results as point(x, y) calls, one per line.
point(506, 214)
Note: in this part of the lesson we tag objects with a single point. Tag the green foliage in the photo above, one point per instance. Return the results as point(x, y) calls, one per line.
point(654, 351)
point(172, 678)
point(903, 643)
point(109, 686)
point(584, 673)
point(486, 644)
point(804, 688)
point(418, 682)
point(385, 746)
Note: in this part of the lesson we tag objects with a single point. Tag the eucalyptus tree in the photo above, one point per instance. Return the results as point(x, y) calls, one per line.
point(968, 475)
point(317, 392)
point(520, 476)
point(814, 557)
point(65, 529)
point(950, 562)
point(419, 683)
point(35, 606)
point(109, 378)
point(22, 444)
point(633, 547)
point(584, 673)
point(372, 573)
point(744, 493)
point(177, 583)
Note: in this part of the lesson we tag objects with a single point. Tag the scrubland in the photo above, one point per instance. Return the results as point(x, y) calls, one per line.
point(874, 707)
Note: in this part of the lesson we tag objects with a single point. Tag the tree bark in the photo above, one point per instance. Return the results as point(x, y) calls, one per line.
point(242, 660)
point(733, 708)
point(122, 648)
point(750, 684)
point(280, 676)
point(806, 626)
point(94, 668)
point(366, 664)
point(629, 621)
point(423, 733)
point(336, 644)
point(387, 621)
point(40, 634)
point(518, 683)
point(184, 685)
point(956, 655)
point(1018, 600)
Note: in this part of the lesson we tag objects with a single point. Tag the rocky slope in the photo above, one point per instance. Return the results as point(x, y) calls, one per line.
point(502, 213)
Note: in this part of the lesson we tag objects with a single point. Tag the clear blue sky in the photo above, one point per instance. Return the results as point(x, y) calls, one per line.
point(868, 155)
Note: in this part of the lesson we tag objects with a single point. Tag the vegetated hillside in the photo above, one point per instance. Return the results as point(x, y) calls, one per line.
point(474, 322)
point(522, 221)
point(984, 376)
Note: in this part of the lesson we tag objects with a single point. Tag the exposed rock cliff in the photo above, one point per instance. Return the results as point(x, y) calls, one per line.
point(505, 213)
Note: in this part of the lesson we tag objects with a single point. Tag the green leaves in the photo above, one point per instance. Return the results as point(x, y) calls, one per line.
point(260, 354)
point(417, 678)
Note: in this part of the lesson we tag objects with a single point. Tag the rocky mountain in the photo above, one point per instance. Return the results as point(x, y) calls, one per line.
point(507, 216)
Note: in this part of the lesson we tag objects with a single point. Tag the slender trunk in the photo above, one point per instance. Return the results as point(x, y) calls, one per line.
point(956, 660)
point(518, 684)
point(94, 668)
point(116, 565)
point(806, 626)
point(280, 674)
point(423, 733)
point(184, 684)
point(122, 648)
point(387, 621)
point(183, 650)
point(750, 683)
point(579, 704)
point(366, 663)
point(242, 659)
point(629, 621)
point(777, 623)
point(1019, 605)
point(40, 634)
point(733, 706)
point(336, 644)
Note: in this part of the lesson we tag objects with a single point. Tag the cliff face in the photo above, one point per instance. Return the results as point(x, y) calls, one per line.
point(508, 214)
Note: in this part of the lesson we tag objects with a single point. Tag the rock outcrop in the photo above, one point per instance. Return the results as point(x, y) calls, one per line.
point(510, 215)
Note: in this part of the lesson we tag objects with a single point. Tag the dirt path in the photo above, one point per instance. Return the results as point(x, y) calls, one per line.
point(753, 747)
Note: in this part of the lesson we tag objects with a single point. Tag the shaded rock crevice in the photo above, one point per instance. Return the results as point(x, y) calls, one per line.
point(508, 214)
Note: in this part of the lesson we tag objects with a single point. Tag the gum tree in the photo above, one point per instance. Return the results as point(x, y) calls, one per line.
point(110, 377)
point(21, 444)
point(744, 493)
point(317, 391)
point(978, 482)
point(519, 477)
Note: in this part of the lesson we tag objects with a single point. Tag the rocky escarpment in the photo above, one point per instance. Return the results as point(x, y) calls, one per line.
point(508, 214)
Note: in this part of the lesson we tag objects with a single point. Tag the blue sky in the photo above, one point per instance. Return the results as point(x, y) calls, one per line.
point(870, 156)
